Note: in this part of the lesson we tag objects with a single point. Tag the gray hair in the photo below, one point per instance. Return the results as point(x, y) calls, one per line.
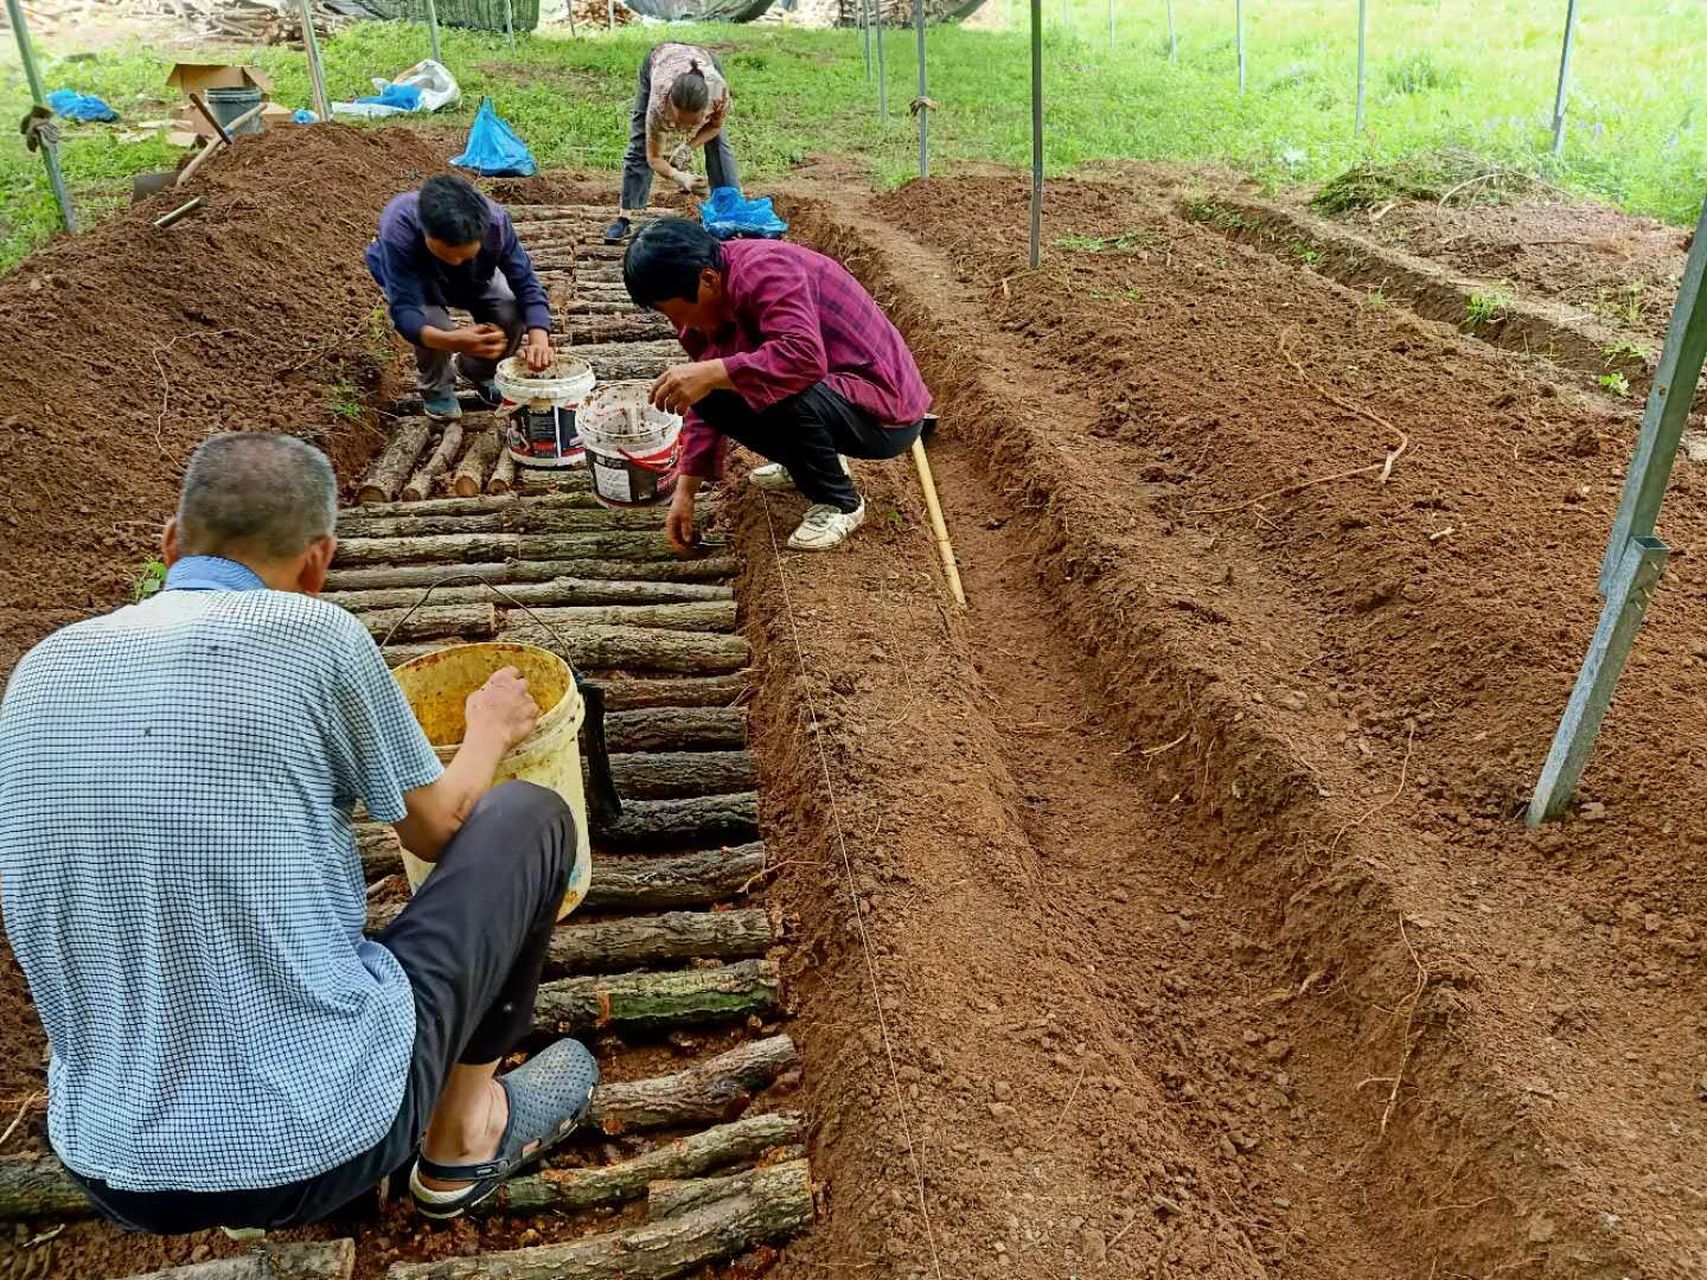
point(267, 495)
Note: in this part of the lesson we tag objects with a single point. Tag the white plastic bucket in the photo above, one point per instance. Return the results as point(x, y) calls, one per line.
point(632, 449)
point(541, 411)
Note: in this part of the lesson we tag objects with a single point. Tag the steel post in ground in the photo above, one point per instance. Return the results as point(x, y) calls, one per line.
point(1362, 42)
point(920, 108)
point(1239, 38)
point(1633, 585)
point(865, 29)
point(1173, 35)
point(610, 14)
point(1667, 411)
point(510, 23)
point(1564, 91)
point(49, 148)
point(882, 68)
point(433, 29)
point(316, 71)
point(1036, 132)
point(1111, 24)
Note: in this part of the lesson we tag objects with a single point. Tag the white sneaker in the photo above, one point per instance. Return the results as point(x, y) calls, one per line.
point(773, 475)
point(826, 527)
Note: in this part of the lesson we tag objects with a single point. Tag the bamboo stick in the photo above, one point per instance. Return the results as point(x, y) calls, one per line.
point(944, 548)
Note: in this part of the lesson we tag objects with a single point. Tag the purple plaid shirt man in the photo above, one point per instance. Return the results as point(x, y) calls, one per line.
point(800, 319)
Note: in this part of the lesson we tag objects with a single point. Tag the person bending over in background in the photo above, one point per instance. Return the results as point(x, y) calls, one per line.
point(183, 891)
point(447, 245)
point(791, 357)
point(681, 92)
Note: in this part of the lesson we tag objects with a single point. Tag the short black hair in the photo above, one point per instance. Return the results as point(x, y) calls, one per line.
point(663, 262)
point(689, 91)
point(257, 494)
point(452, 211)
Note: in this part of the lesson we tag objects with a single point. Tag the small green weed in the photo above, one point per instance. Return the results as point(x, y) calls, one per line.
point(1375, 300)
point(1627, 350)
point(148, 581)
point(344, 400)
point(1485, 308)
point(1305, 253)
point(1616, 383)
point(1214, 213)
point(1417, 72)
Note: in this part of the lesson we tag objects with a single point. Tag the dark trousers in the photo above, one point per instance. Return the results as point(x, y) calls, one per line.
point(805, 433)
point(720, 167)
point(435, 375)
point(473, 942)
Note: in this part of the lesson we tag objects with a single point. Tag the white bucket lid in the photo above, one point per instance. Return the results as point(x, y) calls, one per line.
point(621, 415)
point(566, 382)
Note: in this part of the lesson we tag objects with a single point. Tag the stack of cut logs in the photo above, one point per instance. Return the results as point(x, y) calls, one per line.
point(670, 944)
point(254, 21)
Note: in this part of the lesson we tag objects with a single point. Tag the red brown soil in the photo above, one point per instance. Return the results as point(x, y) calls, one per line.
point(1621, 269)
point(1208, 937)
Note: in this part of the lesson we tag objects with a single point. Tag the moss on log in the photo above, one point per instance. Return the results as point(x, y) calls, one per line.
point(658, 1001)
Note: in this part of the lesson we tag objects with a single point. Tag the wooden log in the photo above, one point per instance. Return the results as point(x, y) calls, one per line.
point(421, 483)
point(706, 691)
point(671, 1198)
point(568, 1190)
point(676, 728)
point(673, 937)
point(707, 1092)
point(317, 1260)
point(662, 347)
point(576, 495)
point(432, 621)
point(616, 328)
point(379, 848)
point(629, 649)
point(522, 516)
point(691, 820)
point(396, 463)
point(529, 625)
point(503, 473)
point(658, 1001)
point(632, 884)
point(559, 591)
point(776, 1206)
point(465, 548)
point(615, 368)
point(477, 463)
point(709, 569)
point(533, 214)
point(667, 775)
point(583, 307)
point(33, 1188)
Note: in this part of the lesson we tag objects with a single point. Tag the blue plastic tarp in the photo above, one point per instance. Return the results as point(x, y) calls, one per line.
point(494, 150)
point(79, 106)
point(728, 214)
point(404, 97)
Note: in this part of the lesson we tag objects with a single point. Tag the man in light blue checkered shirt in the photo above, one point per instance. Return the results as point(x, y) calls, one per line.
point(183, 891)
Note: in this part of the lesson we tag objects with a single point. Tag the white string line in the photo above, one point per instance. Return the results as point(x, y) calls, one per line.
point(853, 893)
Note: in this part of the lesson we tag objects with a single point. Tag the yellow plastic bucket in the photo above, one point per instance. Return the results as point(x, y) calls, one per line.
point(437, 686)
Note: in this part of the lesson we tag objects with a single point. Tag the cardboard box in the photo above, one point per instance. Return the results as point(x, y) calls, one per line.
point(199, 77)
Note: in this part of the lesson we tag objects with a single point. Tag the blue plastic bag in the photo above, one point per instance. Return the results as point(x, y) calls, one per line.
point(79, 106)
point(494, 150)
point(727, 214)
point(405, 97)
point(302, 115)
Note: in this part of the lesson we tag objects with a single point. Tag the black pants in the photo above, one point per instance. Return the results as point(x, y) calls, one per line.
point(805, 433)
point(473, 942)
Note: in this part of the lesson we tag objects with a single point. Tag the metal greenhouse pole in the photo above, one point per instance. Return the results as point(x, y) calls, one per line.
point(1239, 38)
point(1362, 42)
point(882, 70)
point(316, 70)
point(1173, 35)
point(41, 129)
point(865, 31)
point(1559, 99)
point(1634, 556)
point(1111, 24)
point(921, 107)
point(1036, 132)
point(433, 29)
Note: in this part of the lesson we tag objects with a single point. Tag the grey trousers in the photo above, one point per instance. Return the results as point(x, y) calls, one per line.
point(435, 373)
point(720, 167)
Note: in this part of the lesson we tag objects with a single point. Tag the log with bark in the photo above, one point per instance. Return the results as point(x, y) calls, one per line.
point(569, 1190)
point(676, 728)
point(633, 884)
point(379, 848)
point(36, 1187)
point(465, 548)
point(658, 1001)
point(617, 328)
point(675, 936)
point(531, 625)
point(629, 368)
point(396, 462)
point(317, 1260)
point(521, 516)
point(503, 473)
point(580, 213)
point(594, 309)
point(707, 1092)
point(622, 694)
point(573, 495)
point(671, 1197)
point(777, 1205)
point(629, 649)
point(432, 621)
point(558, 591)
point(384, 576)
point(477, 463)
point(421, 483)
point(693, 820)
point(665, 775)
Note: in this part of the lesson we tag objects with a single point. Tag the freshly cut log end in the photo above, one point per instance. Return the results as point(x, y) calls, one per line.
point(659, 1001)
point(503, 473)
point(396, 462)
point(328, 1260)
point(421, 483)
point(477, 464)
point(778, 1204)
point(707, 1092)
point(687, 1158)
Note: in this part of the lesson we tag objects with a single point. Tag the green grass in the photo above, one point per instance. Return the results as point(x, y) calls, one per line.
point(1485, 308)
point(1470, 81)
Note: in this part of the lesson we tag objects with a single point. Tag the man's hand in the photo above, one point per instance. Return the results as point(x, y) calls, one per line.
point(502, 709)
point(679, 524)
point(682, 386)
point(484, 341)
point(691, 183)
point(537, 352)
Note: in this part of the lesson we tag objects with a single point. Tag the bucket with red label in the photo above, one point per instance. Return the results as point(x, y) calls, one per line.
point(541, 411)
point(633, 449)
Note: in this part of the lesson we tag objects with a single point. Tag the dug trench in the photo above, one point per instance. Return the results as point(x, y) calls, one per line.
point(1181, 878)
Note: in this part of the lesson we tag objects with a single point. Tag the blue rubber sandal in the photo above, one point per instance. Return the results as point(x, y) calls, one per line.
point(549, 1096)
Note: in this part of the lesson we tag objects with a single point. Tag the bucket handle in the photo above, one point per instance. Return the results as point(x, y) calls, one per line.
point(604, 804)
point(661, 468)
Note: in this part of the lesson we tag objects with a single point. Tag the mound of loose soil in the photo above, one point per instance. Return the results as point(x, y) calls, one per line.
point(132, 344)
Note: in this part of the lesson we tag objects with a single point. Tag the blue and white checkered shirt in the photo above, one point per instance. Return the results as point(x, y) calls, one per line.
point(182, 887)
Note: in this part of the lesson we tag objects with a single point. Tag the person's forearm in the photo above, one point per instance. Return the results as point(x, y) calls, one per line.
point(466, 778)
point(440, 339)
point(687, 486)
